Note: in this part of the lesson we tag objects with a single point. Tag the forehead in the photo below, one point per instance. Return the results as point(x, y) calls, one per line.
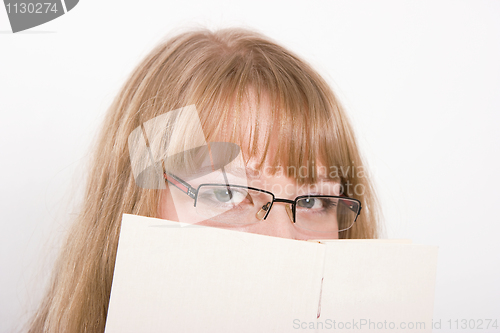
point(278, 182)
point(254, 125)
point(274, 135)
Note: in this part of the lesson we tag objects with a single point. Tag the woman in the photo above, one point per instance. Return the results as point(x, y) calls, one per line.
point(232, 94)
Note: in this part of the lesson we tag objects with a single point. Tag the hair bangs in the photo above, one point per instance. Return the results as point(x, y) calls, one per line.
point(274, 110)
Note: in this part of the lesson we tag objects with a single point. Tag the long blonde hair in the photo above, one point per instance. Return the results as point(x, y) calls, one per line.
point(214, 71)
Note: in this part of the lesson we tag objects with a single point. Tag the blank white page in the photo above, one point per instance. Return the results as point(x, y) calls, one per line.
point(376, 285)
point(169, 278)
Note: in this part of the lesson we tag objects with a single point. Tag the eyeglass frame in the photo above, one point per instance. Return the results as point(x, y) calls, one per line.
point(193, 194)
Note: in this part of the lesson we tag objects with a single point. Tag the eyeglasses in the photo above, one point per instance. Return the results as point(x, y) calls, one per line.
point(243, 205)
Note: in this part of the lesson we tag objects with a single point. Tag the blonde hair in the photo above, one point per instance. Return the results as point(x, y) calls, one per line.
point(215, 71)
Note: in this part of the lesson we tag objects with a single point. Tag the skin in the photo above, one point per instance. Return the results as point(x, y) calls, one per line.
point(277, 223)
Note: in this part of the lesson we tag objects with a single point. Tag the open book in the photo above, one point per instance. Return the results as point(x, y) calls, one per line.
point(170, 277)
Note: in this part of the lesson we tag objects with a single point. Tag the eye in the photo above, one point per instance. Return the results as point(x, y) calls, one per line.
point(229, 195)
point(310, 203)
point(223, 195)
point(316, 204)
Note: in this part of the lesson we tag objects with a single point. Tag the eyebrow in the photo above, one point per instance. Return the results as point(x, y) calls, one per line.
point(238, 171)
point(241, 172)
point(252, 173)
point(248, 173)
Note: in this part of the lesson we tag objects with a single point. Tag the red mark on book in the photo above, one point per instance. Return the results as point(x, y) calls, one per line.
point(320, 294)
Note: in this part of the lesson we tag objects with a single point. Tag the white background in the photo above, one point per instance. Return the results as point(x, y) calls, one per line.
point(420, 81)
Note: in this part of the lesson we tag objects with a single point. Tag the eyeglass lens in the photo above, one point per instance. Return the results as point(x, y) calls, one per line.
point(241, 206)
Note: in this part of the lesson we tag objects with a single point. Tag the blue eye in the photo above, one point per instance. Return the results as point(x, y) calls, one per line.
point(223, 195)
point(310, 203)
point(316, 204)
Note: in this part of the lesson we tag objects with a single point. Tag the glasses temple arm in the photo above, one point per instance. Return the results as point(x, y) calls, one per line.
point(345, 202)
point(179, 183)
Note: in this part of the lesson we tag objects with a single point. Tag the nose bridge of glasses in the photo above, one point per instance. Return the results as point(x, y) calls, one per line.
point(264, 211)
